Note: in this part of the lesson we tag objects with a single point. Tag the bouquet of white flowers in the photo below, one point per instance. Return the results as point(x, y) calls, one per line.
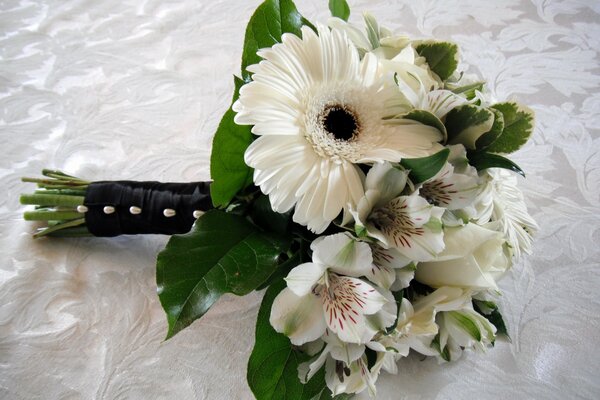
point(360, 178)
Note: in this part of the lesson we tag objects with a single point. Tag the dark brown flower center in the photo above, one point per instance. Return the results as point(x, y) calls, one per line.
point(340, 122)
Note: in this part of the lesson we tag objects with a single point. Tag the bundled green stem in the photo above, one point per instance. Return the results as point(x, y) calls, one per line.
point(56, 202)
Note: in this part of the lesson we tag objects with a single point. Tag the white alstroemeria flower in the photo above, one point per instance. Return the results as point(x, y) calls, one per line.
point(374, 38)
point(407, 223)
point(420, 87)
point(319, 297)
point(463, 329)
point(342, 361)
point(319, 110)
point(454, 187)
point(420, 91)
point(391, 269)
point(501, 207)
point(353, 378)
point(395, 52)
point(475, 257)
point(341, 351)
point(417, 326)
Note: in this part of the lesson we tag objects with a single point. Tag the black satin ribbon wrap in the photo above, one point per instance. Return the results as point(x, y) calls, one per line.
point(152, 198)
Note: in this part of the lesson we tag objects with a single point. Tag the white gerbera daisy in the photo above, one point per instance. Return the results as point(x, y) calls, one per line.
point(319, 110)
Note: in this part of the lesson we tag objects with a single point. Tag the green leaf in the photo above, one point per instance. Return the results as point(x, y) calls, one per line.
point(424, 168)
point(263, 215)
point(273, 364)
point(282, 270)
point(224, 253)
point(442, 57)
point(429, 119)
point(340, 9)
point(489, 137)
point(518, 127)
point(229, 172)
point(228, 169)
point(497, 320)
point(467, 123)
point(269, 22)
point(483, 160)
point(491, 312)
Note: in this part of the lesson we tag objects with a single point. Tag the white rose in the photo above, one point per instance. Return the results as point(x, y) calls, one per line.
point(474, 257)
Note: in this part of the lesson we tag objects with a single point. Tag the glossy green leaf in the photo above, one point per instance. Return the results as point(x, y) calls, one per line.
point(263, 215)
point(269, 22)
point(340, 9)
point(229, 172)
point(467, 123)
point(223, 253)
point(484, 160)
point(424, 168)
point(228, 169)
point(518, 127)
point(442, 57)
point(282, 270)
point(273, 365)
point(429, 119)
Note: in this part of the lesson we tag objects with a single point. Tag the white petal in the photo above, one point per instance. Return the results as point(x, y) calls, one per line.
point(342, 254)
point(307, 370)
point(302, 278)
point(347, 352)
point(381, 276)
point(463, 272)
point(299, 318)
point(388, 180)
point(345, 303)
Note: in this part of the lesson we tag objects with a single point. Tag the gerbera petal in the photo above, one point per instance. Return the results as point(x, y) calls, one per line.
point(336, 189)
point(308, 160)
point(299, 318)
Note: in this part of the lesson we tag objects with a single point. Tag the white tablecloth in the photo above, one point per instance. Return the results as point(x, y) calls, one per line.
point(134, 90)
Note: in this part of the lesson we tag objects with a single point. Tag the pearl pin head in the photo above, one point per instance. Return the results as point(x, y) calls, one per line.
point(135, 210)
point(169, 212)
point(108, 209)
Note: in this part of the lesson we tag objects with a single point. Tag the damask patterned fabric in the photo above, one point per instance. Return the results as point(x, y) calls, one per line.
point(135, 89)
